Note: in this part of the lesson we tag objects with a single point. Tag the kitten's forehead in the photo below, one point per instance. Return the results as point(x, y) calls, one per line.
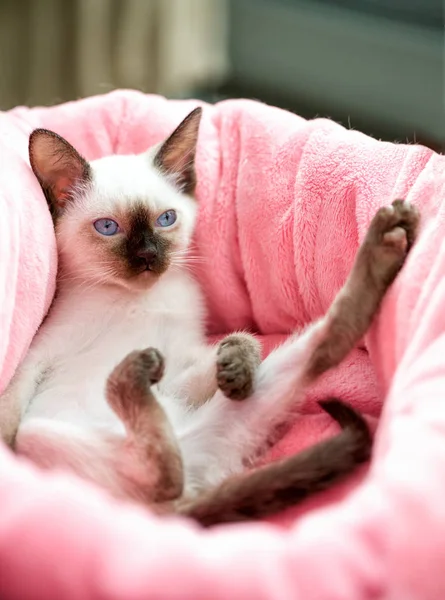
point(128, 183)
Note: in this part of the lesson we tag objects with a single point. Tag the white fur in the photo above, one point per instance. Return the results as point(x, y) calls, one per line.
point(93, 325)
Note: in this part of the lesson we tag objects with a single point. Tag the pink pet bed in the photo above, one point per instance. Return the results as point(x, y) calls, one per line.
point(284, 204)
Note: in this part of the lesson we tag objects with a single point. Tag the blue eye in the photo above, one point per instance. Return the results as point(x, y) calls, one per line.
point(106, 226)
point(166, 219)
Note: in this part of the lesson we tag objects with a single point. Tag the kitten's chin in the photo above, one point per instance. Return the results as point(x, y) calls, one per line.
point(143, 281)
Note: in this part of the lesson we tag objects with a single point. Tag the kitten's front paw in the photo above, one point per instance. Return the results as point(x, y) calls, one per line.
point(390, 236)
point(237, 360)
point(152, 363)
point(140, 368)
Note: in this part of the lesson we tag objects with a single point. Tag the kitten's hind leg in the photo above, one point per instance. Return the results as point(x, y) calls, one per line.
point(150, 438)
point(238, 357)
point(379, 259)
point(237, 432)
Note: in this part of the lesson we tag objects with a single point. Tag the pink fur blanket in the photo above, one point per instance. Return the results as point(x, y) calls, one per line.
point(284, 204)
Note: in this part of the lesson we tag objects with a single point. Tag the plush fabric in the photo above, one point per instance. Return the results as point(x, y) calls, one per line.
point(284, 205)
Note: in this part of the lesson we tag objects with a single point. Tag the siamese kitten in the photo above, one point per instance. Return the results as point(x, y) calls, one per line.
point(120, 385)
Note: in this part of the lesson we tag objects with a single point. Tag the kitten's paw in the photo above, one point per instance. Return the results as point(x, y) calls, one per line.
point(141, 368)
point(128, 387)
point(389, 239)
point(237, 360)
point(149, 364)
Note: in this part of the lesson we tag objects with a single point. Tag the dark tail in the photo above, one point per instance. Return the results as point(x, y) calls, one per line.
point(278, 485)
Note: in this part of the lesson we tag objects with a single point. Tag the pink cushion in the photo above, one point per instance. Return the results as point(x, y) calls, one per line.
point(284, 204)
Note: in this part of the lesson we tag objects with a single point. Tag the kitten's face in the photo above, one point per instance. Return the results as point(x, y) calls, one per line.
point(120, 220)
point(128, 226)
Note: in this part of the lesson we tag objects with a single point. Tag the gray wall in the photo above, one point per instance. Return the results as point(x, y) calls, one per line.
point(367, 63)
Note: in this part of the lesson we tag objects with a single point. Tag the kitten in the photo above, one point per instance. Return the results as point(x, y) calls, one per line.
point(119, 384)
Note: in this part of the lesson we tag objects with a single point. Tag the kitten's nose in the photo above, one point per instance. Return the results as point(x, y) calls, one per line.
point(147, 254)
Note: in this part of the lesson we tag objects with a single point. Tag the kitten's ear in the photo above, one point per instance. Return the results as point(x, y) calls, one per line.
point(58, 167)
point(176, 156)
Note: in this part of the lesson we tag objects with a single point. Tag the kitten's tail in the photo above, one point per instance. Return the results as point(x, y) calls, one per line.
point(286, 482)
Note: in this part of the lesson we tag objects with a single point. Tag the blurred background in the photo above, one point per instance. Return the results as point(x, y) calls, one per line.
point(373, 65)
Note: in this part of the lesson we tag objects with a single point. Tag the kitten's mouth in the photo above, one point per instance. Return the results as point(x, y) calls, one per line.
point(148, 271)
point(144, 267)
point(148, 268)
point(145, 273)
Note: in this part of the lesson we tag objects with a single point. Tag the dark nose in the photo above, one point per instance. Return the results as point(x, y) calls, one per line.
point(148, 255)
